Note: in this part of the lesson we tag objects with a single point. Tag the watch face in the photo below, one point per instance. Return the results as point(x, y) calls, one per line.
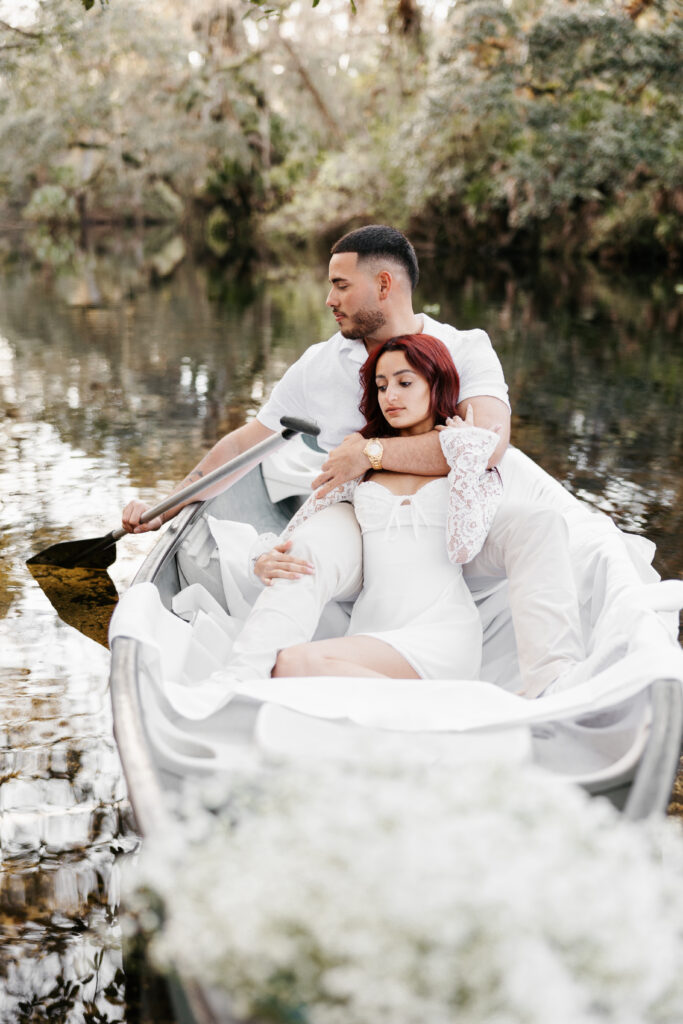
point(374, 448)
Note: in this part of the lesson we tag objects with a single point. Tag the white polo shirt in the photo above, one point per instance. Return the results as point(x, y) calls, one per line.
point(323, 385)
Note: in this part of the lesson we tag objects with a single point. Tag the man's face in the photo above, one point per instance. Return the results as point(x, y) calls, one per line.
point(354, 296)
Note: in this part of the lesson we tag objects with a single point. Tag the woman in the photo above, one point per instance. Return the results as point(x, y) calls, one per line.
point(415, 617)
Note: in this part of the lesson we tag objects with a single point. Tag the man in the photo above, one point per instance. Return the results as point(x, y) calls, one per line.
point(373, 272)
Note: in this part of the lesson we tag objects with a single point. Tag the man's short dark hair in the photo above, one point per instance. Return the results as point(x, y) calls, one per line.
point(377, 240)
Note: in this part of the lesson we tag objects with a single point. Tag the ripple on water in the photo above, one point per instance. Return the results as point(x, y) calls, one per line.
point(62, 951)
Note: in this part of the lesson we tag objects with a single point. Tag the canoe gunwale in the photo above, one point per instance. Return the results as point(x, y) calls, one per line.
point(650, 789)
point(145, 791)
point(168, 544)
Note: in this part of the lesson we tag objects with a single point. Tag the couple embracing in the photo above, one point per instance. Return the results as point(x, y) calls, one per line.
point(420, 508)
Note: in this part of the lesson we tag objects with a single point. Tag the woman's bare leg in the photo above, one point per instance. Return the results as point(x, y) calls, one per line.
point(345, 656)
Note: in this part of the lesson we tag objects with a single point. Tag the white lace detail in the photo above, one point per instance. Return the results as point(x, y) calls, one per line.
point(474, 492)
point(313, 504)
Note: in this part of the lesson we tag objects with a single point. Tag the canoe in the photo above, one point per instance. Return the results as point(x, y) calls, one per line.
point(633, 764)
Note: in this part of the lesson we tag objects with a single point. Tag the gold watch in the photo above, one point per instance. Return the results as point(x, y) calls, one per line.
point(374, 452)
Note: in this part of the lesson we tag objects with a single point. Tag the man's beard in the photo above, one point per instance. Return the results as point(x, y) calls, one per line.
point(364, 323)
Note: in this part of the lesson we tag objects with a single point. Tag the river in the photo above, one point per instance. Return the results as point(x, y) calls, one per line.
point(112, 385)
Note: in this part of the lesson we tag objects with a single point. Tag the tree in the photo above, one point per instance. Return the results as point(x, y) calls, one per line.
point(544, 114)
point(540, 122)
point(127, 112)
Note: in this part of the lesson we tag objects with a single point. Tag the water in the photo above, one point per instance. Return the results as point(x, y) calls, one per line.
point(102, 403)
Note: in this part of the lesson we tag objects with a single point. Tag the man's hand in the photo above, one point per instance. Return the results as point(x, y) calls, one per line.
point(343, 463)
point(229, 447)
point(130, 519)
point(279, 564)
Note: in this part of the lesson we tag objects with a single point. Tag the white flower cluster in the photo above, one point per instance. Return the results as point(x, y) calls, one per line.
point(419, 895)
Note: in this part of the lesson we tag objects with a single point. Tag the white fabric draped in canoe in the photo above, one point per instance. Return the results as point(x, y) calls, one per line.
point(591, 730)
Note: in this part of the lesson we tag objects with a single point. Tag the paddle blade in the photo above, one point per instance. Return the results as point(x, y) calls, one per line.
point(94, 553)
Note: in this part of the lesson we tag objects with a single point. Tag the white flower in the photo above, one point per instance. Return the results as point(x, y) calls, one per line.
point(406, 894)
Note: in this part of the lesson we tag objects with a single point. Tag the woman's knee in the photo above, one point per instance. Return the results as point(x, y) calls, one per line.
point(331, 541)
point(292, 661)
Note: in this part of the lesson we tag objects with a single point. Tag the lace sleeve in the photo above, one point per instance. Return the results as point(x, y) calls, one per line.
point(312, 505)
point(474, 492)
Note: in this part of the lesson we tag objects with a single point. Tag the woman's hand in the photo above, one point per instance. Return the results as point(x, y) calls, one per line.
point(458, 421)
point(279, 564)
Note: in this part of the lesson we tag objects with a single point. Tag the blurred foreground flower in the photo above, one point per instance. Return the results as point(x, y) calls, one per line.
point(409, 894)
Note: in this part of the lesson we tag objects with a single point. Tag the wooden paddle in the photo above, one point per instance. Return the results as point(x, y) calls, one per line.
point(99, 552)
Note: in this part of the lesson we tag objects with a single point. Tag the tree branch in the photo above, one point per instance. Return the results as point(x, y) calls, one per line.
point(636, 7)
point(310, 85)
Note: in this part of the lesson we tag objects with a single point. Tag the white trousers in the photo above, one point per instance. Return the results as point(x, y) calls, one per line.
point(528, 543)
point(288, 611)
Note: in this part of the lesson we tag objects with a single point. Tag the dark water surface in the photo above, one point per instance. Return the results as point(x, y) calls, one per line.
point(99, 403)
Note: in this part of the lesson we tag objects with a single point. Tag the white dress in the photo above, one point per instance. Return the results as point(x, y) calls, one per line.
point(414, 596)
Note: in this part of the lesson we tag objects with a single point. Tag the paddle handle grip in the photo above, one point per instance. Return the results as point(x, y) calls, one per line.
point(291, 426)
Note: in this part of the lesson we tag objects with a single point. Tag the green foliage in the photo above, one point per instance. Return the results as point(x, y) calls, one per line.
point(52, 203)
point(630, 225)
point(537, 119)
point(537, 122)
point(544, 113)
point(130, 111)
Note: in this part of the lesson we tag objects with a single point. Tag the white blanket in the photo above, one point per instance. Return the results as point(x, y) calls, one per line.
point(189, 693)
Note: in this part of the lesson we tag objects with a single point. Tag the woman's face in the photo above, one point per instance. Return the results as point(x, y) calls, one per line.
point(403, 394)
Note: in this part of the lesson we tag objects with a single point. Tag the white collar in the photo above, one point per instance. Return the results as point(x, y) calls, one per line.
point(356, 346)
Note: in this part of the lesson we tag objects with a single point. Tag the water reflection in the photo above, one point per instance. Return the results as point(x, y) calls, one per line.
point(83, 598)
point(103, 403)
point(63, 815)
point(100, 405)
point(595, 370)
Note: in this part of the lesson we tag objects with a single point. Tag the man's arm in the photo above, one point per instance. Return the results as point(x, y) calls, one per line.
point(421, 454)
point(229, 447)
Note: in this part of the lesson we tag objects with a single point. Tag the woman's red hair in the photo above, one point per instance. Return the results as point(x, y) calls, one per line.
point(427, 356)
